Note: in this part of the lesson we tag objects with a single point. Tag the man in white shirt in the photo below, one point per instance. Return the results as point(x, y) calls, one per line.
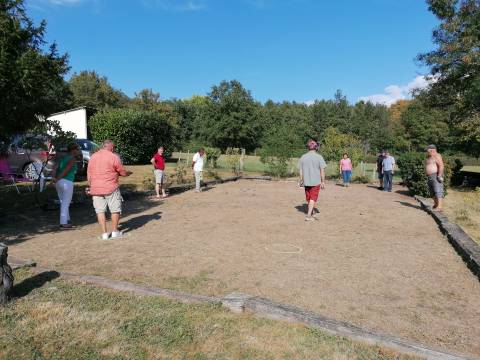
point(197, 165)
point(388, 168)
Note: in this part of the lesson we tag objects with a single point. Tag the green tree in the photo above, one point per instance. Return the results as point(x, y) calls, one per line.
point(370, 123)
point(94, 91)
point(231, 118)
point(455, 66)
point(31, 78)
point(281, 142)
point(424, 126)
point(335, 144)
point(335, 113)
point(146, 99)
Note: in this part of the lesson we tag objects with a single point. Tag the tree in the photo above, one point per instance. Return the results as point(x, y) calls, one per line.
point(332, 113)
point(425, 126)
point(31, 78)
point(370, 123)
point(455, 66)
point(336, 143)
point(146, 99)
point(231, 117)
point(94, 91)
point(187, 113)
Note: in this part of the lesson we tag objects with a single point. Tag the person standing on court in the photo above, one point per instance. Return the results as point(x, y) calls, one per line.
point(103, 171)
point(63, 179)
point(197, 165)
point(380, 158)
point(388, 169)
point(346, 169)
point(312, 176)
point(434, 169)
point(158, 162)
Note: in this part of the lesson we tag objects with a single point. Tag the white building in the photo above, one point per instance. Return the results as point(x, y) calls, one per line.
point(74, 120)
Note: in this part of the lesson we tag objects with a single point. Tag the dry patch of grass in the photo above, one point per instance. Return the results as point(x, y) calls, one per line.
point(64, 320)
point(463, 207)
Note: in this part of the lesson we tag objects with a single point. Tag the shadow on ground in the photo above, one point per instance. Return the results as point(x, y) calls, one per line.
point(139, 221)
point(404, 192)
point(407, 204)
point(25, 222)
point(28, 285)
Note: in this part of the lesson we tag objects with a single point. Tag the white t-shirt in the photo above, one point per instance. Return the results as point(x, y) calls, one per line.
point(198, 162)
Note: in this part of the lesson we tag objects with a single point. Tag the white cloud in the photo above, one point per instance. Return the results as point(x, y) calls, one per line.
point(393, 93)
point(309, 102)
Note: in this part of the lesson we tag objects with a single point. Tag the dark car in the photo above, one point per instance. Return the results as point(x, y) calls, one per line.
point(88, 147)
point(29, 156)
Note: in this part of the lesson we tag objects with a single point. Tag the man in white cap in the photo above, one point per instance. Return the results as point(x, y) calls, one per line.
point(312, 175)
point(434, 168)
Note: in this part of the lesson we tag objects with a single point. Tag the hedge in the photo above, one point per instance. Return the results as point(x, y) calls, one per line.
point(412, 171)
point(136, 133)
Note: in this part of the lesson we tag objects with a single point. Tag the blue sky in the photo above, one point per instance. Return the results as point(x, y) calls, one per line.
point(295, 50)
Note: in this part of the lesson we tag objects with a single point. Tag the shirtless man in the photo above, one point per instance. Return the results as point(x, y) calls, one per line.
point(434, 169)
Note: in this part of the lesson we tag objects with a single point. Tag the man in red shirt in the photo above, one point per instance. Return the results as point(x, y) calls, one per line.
point(158, 163)
point(103, 171)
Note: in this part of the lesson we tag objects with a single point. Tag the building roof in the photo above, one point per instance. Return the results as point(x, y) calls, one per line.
point(69, 110)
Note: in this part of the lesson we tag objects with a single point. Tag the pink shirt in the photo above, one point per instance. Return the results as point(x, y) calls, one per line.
point(346, 164)
point(103, 171)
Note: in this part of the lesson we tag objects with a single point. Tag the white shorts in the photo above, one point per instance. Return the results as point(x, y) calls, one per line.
point(113, 201)
point(159, 176)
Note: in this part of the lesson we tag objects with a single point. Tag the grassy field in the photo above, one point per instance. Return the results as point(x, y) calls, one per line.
point(471, 169)
point(64, 320)
point(463, 207)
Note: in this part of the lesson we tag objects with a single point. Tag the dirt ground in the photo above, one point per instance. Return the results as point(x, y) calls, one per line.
point(373, 259)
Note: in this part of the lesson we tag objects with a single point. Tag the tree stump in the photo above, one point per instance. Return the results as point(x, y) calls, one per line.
point(6, 276)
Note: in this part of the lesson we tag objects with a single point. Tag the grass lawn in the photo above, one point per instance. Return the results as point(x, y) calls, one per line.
point(65, 320)
point(463, 207)
point(471, 169)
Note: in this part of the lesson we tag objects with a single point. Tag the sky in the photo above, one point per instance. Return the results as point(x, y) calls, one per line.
point(283, 50)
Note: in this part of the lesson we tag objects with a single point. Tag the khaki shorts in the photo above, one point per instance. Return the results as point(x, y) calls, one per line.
point(159, 176)
point(113, 201)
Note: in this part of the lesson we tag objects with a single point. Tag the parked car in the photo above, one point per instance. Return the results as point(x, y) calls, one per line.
point(88, 147)
point(28, 155)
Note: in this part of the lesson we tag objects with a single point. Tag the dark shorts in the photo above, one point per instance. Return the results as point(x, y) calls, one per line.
point(380, 175)
point(435, 186)
point(311, 192)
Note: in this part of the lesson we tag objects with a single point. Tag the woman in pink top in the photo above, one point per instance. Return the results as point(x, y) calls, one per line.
point(346, 169)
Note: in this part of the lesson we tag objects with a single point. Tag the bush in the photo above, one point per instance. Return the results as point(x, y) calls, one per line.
point(233, 159)
point(412, 171)
point(457, 176)
point(212, 156)
point(136, 133)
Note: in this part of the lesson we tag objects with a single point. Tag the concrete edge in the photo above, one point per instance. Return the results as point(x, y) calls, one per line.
point(463, 244)
point(240, 303)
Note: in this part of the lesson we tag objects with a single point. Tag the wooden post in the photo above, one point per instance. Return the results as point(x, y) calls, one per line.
point(188, 156)
point(6, 276)
point(242, 158)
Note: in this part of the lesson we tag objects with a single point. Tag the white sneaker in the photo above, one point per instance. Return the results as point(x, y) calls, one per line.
point(105, 236)
point(117, 234)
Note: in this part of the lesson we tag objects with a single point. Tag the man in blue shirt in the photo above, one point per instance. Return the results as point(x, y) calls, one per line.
point(388, 168)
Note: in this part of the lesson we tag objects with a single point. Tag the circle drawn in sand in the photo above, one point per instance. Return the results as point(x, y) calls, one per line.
point(283, 248)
